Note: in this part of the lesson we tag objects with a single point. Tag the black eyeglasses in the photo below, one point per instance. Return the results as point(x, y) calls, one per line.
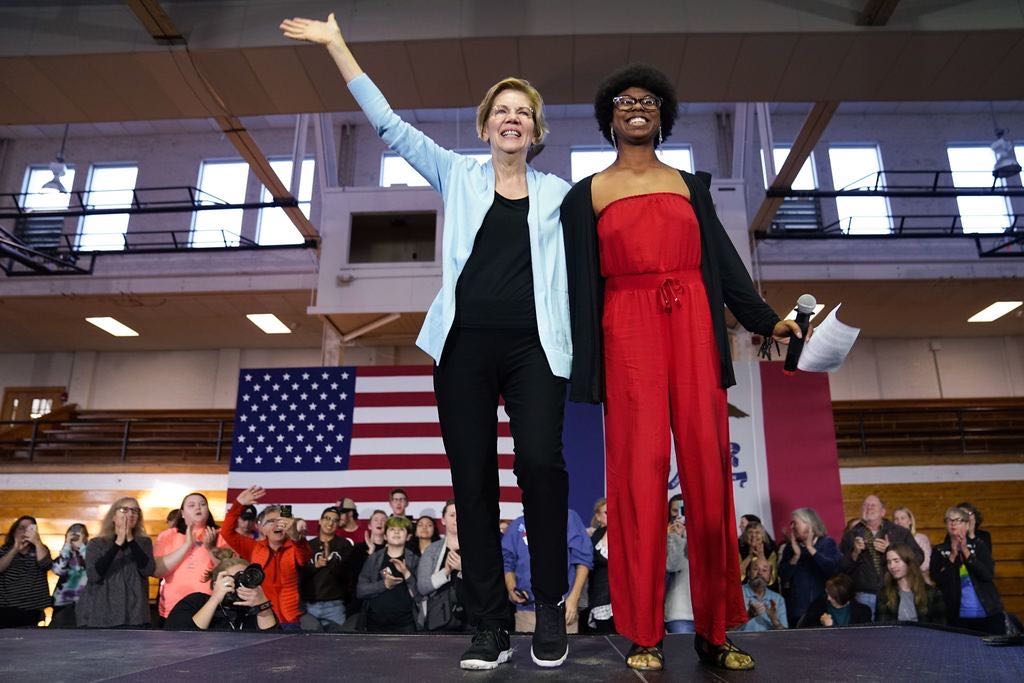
point(647, 102)
point(129, 510)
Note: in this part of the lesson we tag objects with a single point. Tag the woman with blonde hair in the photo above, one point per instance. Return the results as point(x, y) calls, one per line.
point(903, 517)
point(118, 562)
point(905, 596)
point(498, 327)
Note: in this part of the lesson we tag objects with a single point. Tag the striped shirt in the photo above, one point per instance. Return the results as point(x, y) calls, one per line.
point(23, 585)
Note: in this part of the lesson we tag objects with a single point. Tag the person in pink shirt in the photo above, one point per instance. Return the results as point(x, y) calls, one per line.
point(183, 552)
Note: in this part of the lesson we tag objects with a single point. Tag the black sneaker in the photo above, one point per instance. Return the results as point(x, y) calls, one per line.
point(550, 644)
point(490, 647)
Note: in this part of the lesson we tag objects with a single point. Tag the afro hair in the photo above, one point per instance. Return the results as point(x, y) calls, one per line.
point(640, 76)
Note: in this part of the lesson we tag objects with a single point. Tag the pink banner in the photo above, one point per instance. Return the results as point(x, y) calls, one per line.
point(800, 447)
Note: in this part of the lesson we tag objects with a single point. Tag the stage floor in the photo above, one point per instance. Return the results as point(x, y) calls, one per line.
point(898, 653)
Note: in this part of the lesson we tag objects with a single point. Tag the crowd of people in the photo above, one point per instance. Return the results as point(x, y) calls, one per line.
point(259, 570)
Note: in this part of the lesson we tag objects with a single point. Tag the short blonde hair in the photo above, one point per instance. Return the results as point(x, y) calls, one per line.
point(540, 126)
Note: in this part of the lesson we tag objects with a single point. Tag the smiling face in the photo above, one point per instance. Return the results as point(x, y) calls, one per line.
point(872, 511)
point(329, 523)
point(396, 536)
point(450, 521)
point(801, 528)
point(510, 127)
point(902, 519)
point(636, 125)
point(195, 510)
point(273, 527)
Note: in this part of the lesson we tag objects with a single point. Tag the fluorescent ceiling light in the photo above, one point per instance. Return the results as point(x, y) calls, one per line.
point(269, 323)
point(817, 309)
point(994, 312)
point(113, 326)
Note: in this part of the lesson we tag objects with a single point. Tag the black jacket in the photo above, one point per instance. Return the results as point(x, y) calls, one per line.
point(725, 279)
point(935, 612)
point(866, 579)
point(980, 567)
point(812, 617)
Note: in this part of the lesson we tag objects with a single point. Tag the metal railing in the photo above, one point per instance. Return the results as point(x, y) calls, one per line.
point(913, 183)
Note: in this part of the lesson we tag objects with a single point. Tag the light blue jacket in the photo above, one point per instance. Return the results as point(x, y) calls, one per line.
point(467, 188)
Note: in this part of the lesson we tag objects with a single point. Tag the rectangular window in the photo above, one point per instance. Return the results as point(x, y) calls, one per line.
point(109, 187)
point(220, 182)
point(584, 161)
point(857, 166)
point(1018, 151)
point(394, 170)
point(805, 179)
point(971, 166)
point(38, 198)
point(274, 226)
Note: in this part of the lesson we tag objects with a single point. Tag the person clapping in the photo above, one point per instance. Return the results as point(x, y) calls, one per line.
point(387, 583)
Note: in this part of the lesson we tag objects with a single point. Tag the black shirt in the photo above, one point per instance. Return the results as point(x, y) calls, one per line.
point(224, 618)
point(495, 288)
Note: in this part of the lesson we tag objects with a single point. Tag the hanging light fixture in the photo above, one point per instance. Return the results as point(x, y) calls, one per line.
point(58, 168)
point(1006, 162)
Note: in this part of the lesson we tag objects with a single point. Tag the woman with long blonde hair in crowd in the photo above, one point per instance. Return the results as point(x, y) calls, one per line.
point(905, 518)
point(119, 561)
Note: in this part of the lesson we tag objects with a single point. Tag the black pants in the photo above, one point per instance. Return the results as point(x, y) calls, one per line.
point(478, 366)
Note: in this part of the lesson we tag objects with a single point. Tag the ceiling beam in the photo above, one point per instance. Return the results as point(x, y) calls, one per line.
point(159, 24)
point(814, 125)
point(877, 12)
point(156, 21)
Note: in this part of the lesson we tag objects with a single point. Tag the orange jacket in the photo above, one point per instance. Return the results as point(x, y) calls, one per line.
point(281, 566)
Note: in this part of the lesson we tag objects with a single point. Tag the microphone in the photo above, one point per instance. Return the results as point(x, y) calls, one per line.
point(804, 310)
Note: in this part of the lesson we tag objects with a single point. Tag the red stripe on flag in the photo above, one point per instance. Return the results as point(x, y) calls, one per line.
point(413, 462)
point(391, 399)
point(362, 493)
point(396, 429)
point(393, 370)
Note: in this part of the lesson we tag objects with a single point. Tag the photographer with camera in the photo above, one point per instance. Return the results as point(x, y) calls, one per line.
point(236, 602)
point(387, 583)
point(281, 551)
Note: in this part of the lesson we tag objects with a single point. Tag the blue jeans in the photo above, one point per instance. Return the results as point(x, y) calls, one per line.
point(868, 599)
point(680, 626)
point(327, 611)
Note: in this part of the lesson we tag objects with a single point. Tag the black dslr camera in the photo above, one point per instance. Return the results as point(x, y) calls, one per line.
point(250, 577)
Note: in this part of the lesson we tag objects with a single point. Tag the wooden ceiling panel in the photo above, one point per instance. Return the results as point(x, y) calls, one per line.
point(488, 60)
point(594, 57)
point(233, 79)
point(866, 62)
point(79, 81)
point(1004, 78)
point(131, 83)
point(388, 65)
point(662, 51)
point(166, 74)
point(760, 66)
point(919, 63)
point(963, 76)
point(546, 61)
point(440, 73)
point(708, 62)
point(46, 102)
point(323, 75)
point(816, 59)
point(284, 80)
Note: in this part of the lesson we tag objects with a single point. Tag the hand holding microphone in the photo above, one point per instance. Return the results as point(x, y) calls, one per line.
point(804, 310)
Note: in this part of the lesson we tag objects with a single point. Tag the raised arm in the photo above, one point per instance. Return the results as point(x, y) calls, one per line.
point(430, 159)
point(328, 34)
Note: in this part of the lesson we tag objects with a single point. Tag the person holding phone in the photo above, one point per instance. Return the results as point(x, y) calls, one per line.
point(24, 561)
point(325, 581)
point(281, 551)
point(387, 583)
point(69, 566)
point(439, 578)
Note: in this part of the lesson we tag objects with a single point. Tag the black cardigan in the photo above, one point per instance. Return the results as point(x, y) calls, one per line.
point(725, 279)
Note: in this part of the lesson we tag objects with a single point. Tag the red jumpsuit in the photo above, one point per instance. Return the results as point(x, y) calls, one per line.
point(662, 370)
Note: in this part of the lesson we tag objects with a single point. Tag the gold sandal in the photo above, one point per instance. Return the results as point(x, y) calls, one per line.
point(724, 656)
point(645, 658)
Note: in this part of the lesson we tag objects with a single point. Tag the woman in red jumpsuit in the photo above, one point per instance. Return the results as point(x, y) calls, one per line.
point(650, 267)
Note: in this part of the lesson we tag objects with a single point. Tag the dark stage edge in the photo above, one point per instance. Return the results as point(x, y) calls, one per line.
point(897, 653)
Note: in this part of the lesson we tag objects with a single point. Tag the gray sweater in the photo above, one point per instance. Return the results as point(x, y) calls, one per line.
point(120, 596)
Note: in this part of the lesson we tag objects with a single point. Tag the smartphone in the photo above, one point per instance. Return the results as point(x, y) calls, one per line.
point(393, 570)
point(522, 594)
point(286, 510)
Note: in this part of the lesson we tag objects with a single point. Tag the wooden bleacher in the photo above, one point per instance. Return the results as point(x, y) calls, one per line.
point(121, 435)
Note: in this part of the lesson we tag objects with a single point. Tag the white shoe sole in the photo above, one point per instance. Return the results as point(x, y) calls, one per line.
point(550, 663)
point(484, 665)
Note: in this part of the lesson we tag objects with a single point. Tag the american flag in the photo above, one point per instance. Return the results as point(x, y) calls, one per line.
point(312, 436)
